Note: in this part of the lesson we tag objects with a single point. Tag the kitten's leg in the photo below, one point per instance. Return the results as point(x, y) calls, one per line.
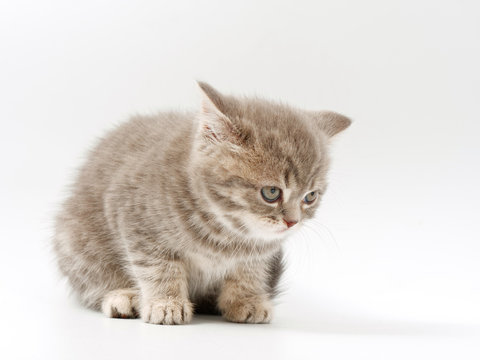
point(244, 296)
point(121, 303)
point(164, 291)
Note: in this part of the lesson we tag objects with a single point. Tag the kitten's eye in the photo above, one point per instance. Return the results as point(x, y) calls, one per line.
point(310, 197)
point(271, 193)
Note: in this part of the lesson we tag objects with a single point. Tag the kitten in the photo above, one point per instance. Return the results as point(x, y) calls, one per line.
point(180, 212)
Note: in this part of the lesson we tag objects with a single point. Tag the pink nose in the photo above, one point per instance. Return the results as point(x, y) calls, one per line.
point(289, 223)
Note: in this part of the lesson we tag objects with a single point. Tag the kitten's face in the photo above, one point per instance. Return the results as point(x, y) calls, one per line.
point(263, 164)
point(267, 219)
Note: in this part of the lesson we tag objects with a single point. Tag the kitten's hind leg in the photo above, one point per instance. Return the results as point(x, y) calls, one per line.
point(121, 303)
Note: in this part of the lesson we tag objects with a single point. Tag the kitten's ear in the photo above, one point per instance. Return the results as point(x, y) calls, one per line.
point(211, 97)
point(214, 124)
point(331, 123)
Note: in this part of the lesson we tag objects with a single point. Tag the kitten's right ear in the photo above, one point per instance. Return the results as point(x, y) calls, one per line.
point(330, 122)
point(215, 126)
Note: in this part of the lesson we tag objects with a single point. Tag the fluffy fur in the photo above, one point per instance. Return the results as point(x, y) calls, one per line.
point(167, 216)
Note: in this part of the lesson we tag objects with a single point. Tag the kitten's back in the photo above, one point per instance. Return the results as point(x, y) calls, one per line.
point(87, 252)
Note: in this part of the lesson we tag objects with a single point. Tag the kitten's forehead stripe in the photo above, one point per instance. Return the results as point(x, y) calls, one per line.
point(286, 178)
point(293, 170)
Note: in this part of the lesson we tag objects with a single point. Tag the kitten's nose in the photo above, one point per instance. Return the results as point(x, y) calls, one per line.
point(290, 223)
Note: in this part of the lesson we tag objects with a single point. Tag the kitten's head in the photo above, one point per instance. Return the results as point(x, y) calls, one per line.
point(262, 165)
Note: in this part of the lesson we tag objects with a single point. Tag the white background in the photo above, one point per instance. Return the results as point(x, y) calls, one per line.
point(390, 268)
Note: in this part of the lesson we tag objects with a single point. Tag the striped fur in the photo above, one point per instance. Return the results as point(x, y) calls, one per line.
point(166, 216)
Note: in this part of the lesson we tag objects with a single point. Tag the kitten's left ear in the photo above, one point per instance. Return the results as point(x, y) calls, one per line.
point(331, 122)
point(215, 125)
point(212, 99)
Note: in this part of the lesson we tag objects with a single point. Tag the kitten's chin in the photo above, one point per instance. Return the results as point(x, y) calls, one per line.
point(270, 233)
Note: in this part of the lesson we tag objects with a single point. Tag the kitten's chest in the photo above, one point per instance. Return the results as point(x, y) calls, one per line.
point(206, 273)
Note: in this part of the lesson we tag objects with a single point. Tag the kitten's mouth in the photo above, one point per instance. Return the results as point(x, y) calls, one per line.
point(288, 229)
point(283, 230)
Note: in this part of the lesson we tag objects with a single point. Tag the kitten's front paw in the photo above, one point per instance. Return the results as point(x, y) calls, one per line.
point(256, 311)
point(167, 311)
point(121, 303)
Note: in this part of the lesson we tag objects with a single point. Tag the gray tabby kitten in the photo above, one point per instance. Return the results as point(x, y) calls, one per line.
point(180, 212)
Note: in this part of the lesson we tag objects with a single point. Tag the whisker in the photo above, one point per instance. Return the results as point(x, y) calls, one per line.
point(327, 230)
